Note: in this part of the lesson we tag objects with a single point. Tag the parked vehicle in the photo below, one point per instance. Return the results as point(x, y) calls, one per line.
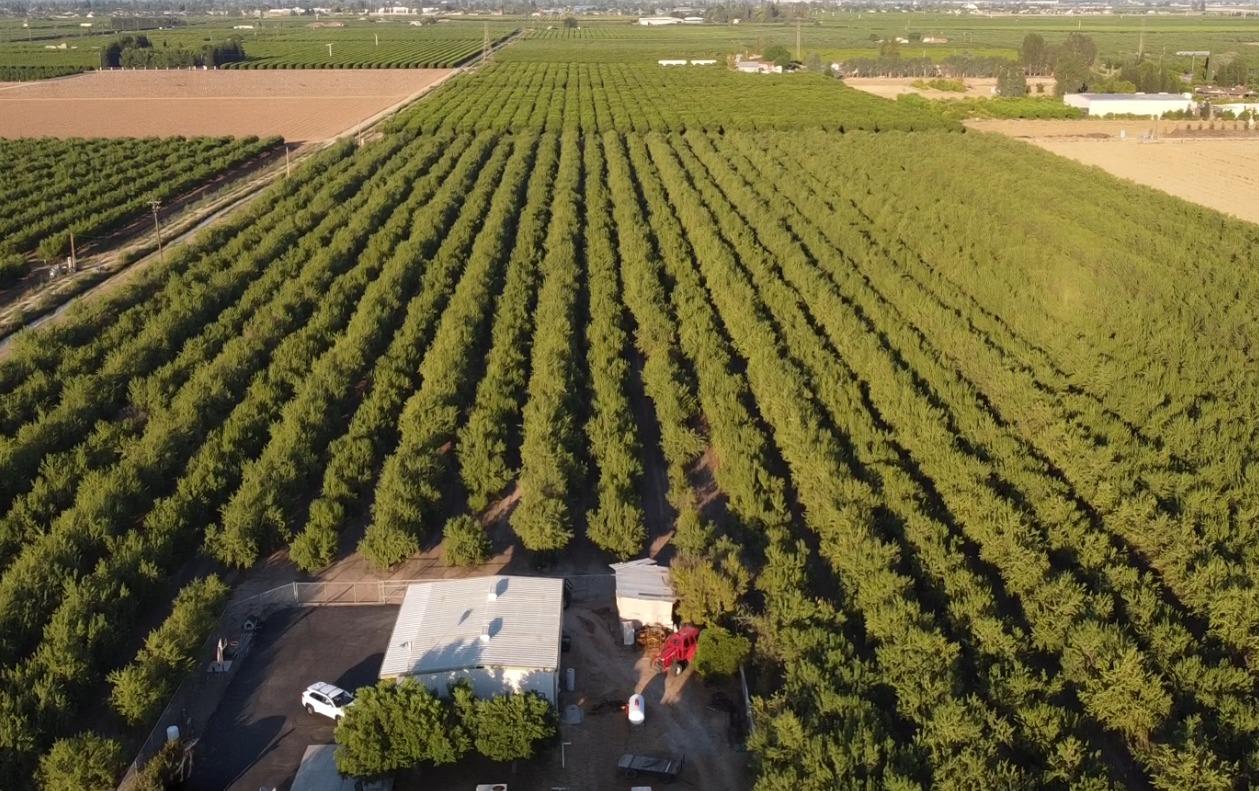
point(664, 768)
point(679, 649)
point(327, 700)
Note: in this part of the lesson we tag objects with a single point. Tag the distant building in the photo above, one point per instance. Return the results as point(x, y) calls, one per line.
point(1142, 104)
point(935, 39)
point(672, 62)
point(757, 66)
point(703, 62)
point(394, 10)
point(501, 634)
point(655, 21)
point(693, 20)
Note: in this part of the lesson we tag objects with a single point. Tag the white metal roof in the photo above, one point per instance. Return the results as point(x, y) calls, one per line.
point(643, 579)
point(496, 621)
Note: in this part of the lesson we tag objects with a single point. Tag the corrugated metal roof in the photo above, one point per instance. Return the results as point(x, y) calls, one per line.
point(643, 579)
point(479, 622)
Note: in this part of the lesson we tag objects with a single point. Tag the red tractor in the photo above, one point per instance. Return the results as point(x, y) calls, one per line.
point(679, 649)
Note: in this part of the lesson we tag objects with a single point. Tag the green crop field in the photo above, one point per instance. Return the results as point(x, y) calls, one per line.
point(91, 187)
point(961, 435)
point(284, 43)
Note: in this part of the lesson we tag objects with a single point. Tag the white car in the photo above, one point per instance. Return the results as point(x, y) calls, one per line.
point(327, 700)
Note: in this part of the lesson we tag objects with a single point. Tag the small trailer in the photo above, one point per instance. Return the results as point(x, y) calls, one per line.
point(664, 768)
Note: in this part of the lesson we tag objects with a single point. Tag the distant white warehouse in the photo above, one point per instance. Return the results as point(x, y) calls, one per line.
point(1143, 104)
point(502, 634)
point(657, 21)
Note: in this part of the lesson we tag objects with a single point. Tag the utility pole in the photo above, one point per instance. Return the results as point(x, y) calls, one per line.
point(799, 55)
point(157, 227)
point(377, 41)
point(485, 42)
point(288, 170)
point(74, 258)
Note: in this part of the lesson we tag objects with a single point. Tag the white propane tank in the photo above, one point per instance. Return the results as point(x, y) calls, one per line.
point(637, 709)
point(172, 733)
point(570, 678)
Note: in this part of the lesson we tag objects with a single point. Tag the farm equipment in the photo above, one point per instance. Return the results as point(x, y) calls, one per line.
point(678, 650)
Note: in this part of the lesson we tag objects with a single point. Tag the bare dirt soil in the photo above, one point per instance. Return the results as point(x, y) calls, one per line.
point(976, 87)
point(299, 105)
point(1218, 174)
point(1105, 128)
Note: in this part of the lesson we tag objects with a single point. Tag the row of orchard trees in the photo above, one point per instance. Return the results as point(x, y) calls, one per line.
point(74, 590)
point(909, 497)
point(111, 183)
point(593, 98)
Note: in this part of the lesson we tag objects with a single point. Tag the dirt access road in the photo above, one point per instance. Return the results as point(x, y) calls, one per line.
point(298, 105)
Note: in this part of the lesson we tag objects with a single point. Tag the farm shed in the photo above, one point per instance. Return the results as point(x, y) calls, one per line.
point(1143, 104)
point(500, 633)
point(644, 592)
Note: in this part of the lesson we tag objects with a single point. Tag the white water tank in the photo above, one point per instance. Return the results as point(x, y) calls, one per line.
point(570, 679)
point(637, 709)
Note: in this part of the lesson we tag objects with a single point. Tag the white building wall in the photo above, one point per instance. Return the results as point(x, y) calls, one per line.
point(1135, 106)
point(645, 611)
point(488, 682)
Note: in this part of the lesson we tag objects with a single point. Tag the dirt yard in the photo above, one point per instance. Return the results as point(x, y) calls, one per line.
point(976, 87)
point(1104, 128)
point(299, 105)
point(679, 719)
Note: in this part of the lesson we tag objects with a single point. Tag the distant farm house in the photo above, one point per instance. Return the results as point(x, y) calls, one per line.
point(656, 21)
point(757, 66)
point(685, 62)
point(1142, 104)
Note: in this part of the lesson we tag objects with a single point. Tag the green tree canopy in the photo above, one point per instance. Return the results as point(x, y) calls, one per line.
point(778, 55)
point(464, 542)
point(1034, 53)
point(510, 727)
point(1011, 82)
point(394, 726)
point(1080, 46)
point(720, 652)
point(86, 762)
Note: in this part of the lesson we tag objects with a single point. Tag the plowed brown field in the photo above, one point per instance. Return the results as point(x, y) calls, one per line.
point(1218, 174)
point(299, 105)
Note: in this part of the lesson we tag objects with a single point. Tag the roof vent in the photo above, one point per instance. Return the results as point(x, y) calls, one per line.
point(493, 593)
